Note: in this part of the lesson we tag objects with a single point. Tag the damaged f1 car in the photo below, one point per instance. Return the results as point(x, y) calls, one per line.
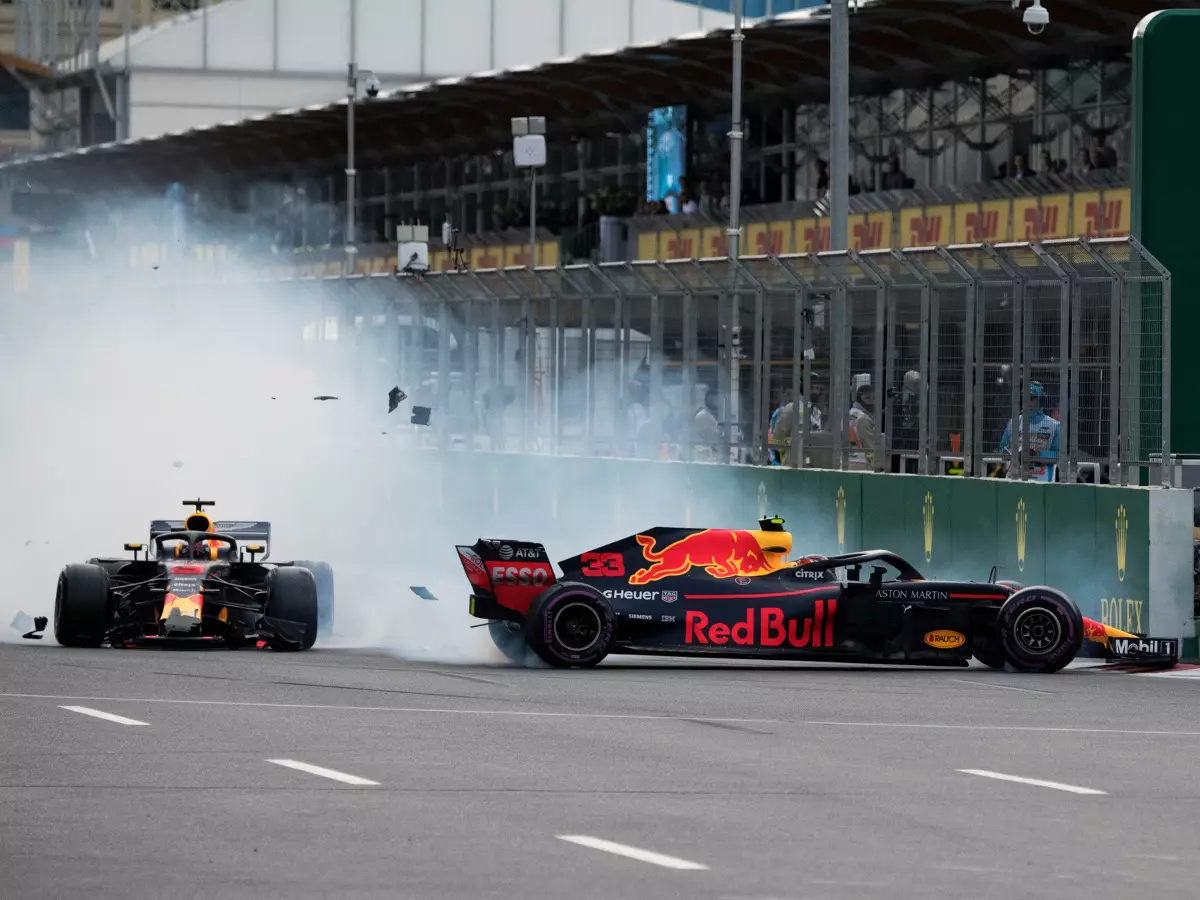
point(199, 582)
point(730, 593)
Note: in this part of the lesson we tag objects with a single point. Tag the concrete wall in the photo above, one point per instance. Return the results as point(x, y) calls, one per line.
point(1123, 554)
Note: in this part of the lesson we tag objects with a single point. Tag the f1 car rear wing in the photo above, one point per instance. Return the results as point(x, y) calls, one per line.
point(244, 532)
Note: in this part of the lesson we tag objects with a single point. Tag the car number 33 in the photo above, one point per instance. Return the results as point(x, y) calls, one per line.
point(535, 575)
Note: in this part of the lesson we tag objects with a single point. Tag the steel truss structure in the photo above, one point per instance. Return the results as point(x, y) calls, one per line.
point(956, 135)
point(616, 359)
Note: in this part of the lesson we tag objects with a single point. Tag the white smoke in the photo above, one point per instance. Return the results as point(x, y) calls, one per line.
point(129, 391)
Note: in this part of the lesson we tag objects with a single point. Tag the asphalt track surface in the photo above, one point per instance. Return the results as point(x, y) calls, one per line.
point(402, 780)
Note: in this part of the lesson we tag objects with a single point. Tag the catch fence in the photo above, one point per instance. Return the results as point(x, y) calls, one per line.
point(620, 359)
point(690, 359)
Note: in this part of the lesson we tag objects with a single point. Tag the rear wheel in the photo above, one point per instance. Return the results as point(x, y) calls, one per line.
point(81, 611)
point(292, 596)
point(1041, 629)
point(323, 575)
point(570, 624)
point(509, 639)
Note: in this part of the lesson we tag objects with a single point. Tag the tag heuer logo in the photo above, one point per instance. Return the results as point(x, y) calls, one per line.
point(670, 596)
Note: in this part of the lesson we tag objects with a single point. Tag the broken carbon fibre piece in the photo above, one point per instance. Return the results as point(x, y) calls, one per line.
point(32, 627)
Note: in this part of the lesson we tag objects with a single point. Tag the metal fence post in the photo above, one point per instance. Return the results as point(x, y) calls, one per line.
point(801, 374)
point(972, 360)
point(1067, 355)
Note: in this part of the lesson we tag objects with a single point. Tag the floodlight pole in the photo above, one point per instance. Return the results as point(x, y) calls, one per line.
point(733, 233)
point(839, 124)
point(529, 151)
point(351, 173)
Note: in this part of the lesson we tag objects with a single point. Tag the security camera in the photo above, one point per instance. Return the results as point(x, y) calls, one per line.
point(1036, 18)
point(372, 86)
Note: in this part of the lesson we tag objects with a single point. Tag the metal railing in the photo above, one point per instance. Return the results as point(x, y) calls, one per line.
point(693, 359)
point(690, 359)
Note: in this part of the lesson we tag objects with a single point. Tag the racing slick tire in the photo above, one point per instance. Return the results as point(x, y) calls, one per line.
point(292, 595)
point(1041, 629)
point(990, 651)
point(81, 608)
point(323, 575)
point(509, 640)
point(570, 625)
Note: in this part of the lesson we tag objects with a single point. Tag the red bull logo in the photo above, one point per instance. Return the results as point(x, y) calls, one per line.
point(765, 627)
point(722, 554)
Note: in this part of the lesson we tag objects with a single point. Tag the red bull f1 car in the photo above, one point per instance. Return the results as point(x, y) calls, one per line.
point(730, 593)
point(198, 583)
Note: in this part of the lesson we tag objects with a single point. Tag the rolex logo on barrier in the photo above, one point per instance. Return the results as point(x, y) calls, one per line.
point(927, 513)
point(1022, 526)
point(1122, 528)
point(841, 519)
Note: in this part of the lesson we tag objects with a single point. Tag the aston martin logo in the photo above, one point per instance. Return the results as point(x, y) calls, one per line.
point(1022, 524)
point(841, 518)
point(1122, 528)
point(927, 511)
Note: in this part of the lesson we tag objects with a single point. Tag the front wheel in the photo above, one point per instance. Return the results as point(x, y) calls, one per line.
point(1041, 629)
point(81, 609)
point(570, 625)
point(323, 575)
point(292, 596)
point(990, 651)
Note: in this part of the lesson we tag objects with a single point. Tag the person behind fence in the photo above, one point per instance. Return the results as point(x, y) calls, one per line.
point(779, 433)
point(706, 430)
point(1043, 436)
point(862, 427)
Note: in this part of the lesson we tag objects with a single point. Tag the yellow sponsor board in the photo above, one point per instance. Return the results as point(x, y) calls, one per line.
point(377, 260)
point(1085, 214)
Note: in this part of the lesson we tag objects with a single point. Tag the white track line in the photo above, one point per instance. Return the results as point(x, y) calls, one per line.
point(1001, 687)
point(934, 726)
point(392, 709)
point(1036, 782)
point(108, 717)
point(646, 856)
point(323, 773)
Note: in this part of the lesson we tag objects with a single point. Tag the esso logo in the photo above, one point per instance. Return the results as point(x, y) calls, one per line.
point(522, 575)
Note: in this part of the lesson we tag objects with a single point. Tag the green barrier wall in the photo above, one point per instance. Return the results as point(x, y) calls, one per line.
point(1094, 542)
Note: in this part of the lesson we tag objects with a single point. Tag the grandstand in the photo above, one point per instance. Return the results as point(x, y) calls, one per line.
point(964, 126)
point(965, 129)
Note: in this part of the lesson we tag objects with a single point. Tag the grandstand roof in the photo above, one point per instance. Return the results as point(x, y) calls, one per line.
point(894, 43)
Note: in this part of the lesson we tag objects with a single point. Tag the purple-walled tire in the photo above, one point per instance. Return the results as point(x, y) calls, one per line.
point(570, 625)
point(1040, 628)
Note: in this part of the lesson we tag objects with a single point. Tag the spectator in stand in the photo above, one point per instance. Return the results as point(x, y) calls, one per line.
point(1108, 155)
point(1083, 163)
point(894, 178)
point(822, 177)
point(1096, 159)
point(1020, 168)
point(687, 205)
point(706, 200)
point(706, 429)
point(862, 428)
point(1048, 165)
point(723, 204)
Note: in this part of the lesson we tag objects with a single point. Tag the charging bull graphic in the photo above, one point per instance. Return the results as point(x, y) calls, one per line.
point(722, 554)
